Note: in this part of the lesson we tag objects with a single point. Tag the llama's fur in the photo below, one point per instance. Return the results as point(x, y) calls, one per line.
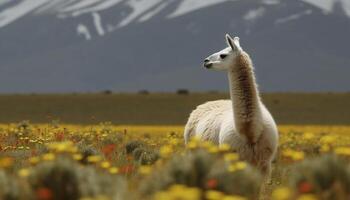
point(242, 122)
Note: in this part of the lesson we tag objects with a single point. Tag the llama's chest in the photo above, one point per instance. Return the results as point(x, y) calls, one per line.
point(261, 152)
point(258, 154)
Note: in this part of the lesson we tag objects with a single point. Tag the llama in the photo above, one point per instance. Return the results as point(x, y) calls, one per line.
point(243, 122)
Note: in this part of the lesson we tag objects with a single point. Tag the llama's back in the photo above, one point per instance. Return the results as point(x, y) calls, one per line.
point(206, 119)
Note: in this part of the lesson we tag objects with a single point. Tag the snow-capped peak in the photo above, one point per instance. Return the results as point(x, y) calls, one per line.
point(328, 5)
point(140, 10)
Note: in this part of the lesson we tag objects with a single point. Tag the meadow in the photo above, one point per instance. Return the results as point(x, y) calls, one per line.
point(141, 155)
point(165, 108)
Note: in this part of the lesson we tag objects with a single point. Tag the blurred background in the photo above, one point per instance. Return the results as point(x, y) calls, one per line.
point(60, 46)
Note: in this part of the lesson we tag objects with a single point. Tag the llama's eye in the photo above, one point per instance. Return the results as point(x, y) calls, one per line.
point(222, 56)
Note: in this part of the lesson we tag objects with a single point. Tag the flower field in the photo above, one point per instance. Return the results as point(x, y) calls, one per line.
point(102, 162)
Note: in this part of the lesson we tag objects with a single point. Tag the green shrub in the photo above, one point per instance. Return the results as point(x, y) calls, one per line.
point(327, 176)
point(205, 171)
point(10, 189)
point(66, 179)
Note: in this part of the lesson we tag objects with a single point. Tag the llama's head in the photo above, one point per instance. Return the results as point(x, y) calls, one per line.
point(224, 59)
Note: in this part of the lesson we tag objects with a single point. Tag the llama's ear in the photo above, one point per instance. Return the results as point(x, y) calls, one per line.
point(230, 42)
point(233, 42)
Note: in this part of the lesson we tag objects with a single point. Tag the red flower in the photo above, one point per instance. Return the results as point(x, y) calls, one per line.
point(305, 187)
point(44, 194)
point(212, 183)
point(127, 169)
point(59, 136)
point(108, 149)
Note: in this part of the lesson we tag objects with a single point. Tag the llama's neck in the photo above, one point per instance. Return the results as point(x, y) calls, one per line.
point(245, 97)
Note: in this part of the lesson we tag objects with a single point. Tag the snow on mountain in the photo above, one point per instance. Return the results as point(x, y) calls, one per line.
point(78, 10)
point(141, 10)
point(293, 17)
point(271, 2)
point(328, 5)
point(11, 14)
point(152, 13)
point(98, 24)
point(254, 14)
point(138, 7)
point(4, 2)
point(192, 5)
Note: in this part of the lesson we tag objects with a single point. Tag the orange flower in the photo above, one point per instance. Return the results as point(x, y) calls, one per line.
point(59, 136)
point(212, 183)
point(108, 149)
point(44, 193)
point(305, 187)
point(127, 169)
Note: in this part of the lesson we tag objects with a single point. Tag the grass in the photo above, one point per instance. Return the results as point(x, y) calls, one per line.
point(162, 109)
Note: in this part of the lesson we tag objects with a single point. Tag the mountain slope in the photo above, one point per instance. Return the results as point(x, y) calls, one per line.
point(70, 45)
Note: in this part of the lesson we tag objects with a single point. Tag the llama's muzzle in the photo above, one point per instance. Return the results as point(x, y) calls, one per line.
point(207, 63)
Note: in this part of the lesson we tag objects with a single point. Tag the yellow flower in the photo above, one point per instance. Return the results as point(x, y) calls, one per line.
point(231, 157)
point(241, 165)
point(61, 147)
point(94, 159)
point(224, 148)
point(207, 144)
point(298, 155)
point(34, 160)
point(294, 155)
point(177, 187)
point(213, 149)
point(328, 139)
point(214, 195)
point(308, 136)
point(24, 172)
point(189, 194)
point(237, 166)
point(234, 197)
point(105, 165)
point(113, 170)
point(48, 157)
point(178, 192)
point(174, 141)
point(325, 148)
point(77, 156)
point(166, 150)
point(145, 170)
point(282, 193)
point(192, 145)
point(307, 197)
point(6, 162)
point(345, 151)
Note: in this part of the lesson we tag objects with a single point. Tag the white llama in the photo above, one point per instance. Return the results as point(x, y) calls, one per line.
point(243, 122)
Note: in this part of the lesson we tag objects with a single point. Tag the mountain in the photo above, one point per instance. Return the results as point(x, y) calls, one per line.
point(129, 45)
